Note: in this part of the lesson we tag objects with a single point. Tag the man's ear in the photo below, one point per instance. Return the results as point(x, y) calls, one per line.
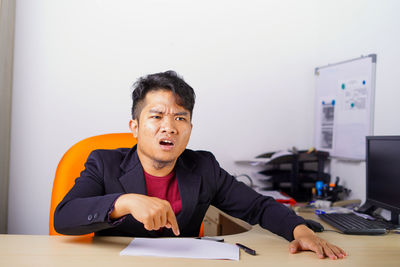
point(134, 125)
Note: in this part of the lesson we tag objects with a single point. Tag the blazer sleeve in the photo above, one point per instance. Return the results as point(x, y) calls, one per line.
point(241, 201)
point(85, 208)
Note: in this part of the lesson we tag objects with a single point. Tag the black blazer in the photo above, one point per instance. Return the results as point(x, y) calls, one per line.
point(201, 181)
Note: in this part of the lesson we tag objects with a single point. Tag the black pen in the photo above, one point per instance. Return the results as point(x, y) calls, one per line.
point(246, 249)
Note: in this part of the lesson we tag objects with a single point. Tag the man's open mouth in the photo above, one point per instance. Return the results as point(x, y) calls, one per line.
point(166, 143)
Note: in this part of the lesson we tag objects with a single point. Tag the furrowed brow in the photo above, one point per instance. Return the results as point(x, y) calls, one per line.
point(183, 113)
point(156, 111)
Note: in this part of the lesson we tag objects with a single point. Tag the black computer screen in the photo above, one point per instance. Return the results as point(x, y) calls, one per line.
point(383, 171)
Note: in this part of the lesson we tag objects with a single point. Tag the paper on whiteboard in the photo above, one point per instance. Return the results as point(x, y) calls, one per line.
point(352, 113)
point(181, 248)
point(354, 94)
point(326, 123)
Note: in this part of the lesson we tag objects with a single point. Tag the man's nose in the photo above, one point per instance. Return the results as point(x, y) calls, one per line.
point(168, 125)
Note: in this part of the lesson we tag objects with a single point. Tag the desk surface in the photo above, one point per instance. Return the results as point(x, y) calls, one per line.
point(36, 250)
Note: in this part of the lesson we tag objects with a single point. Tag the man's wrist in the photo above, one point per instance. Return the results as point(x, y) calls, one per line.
point(302, 230)
point(118, 208)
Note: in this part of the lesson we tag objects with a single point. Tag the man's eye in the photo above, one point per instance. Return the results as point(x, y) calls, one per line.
point(180, 118)
point(156, 117)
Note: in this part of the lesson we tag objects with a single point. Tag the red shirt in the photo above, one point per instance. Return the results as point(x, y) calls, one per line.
point(166, 188)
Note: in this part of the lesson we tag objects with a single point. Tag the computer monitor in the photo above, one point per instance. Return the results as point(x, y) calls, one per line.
point(383, 175)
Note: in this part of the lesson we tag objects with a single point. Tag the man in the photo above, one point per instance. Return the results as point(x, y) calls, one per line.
point(159, 188)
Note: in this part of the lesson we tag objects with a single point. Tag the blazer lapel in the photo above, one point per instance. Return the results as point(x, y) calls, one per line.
point(189, 187)
point(133, 178)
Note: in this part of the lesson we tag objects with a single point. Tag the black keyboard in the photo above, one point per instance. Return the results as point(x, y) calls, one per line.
point(352, 224)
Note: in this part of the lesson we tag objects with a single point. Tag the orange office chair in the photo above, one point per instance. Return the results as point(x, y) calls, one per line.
point(72, 163)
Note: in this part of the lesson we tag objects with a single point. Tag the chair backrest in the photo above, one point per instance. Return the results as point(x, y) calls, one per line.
point(72, 163)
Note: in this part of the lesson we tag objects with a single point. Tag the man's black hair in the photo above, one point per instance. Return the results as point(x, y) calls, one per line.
point(168, 80)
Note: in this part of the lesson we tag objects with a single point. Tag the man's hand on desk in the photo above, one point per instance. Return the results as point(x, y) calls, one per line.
point(153, 212)
point(306, 239)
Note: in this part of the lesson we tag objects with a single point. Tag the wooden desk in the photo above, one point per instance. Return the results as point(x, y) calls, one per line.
point(35, 250)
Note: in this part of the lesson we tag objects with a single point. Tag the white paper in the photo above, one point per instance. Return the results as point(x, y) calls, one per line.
point(181, 248)
point(264, 161)
point(354, 94)
point(254, 162)
point(325, 123)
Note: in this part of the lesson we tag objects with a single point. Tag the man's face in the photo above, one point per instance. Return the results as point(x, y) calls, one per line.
point(163, 130)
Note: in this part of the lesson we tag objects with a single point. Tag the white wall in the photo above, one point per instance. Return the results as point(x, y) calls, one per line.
point(348, 29)
point(250, 62)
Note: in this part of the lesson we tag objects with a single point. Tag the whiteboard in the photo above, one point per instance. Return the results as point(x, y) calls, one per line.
point(344, 107)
